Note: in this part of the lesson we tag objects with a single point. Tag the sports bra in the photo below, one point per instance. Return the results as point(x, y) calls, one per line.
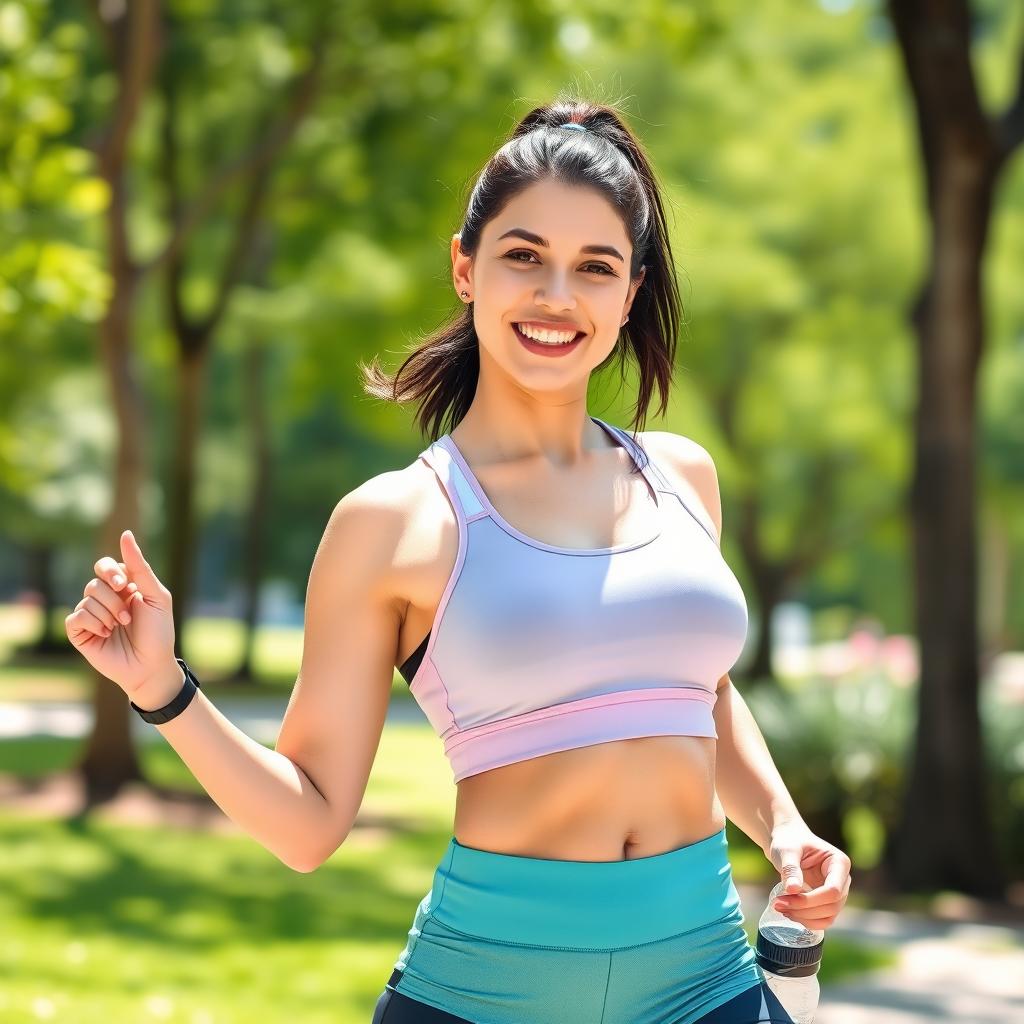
point(536, 648)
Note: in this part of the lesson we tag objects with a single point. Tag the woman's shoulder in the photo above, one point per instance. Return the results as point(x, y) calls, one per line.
point(690, 468)
point(679, 447)
point(410, 521)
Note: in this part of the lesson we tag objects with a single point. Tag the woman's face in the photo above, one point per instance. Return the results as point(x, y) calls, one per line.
point(532, 267)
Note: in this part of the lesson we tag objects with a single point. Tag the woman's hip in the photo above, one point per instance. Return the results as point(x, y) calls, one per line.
point(504, 939)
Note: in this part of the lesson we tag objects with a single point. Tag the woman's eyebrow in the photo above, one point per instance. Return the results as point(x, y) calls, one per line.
point(529, 236)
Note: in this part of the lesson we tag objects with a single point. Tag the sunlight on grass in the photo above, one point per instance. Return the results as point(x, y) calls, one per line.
point(158, 921)
point(108, 922)
point(94, 912)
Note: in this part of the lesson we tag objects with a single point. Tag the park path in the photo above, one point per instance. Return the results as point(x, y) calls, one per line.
point(259, 717)
point(970, 970)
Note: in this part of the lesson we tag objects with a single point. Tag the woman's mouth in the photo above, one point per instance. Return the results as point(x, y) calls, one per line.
point(548, 348)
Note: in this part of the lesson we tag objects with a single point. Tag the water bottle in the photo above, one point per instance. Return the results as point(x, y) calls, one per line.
point(789, 955)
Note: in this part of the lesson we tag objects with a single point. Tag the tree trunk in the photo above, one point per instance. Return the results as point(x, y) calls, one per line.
point(255, 527)
point(109, 759)
point(181, 526)
point(131, 34)
point(256, 399)
point(944, 838)
point(40, 576)
point(768, 591)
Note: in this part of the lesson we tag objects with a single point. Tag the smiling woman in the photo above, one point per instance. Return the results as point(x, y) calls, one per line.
point(567, 618)
point(597, 261)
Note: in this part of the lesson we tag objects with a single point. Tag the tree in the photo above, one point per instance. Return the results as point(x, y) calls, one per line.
point(945, 837)
point(138, 45)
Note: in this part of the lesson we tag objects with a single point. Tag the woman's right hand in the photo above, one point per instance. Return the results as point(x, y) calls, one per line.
point(133, 652)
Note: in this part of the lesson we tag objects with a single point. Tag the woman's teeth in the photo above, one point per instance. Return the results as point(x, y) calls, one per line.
point(547, 337)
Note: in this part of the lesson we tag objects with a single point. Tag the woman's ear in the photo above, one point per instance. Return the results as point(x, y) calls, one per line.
point(633, 288)
point(462, 270)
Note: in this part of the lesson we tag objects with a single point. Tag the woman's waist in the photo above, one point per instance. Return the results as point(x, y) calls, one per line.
point(585, 904)
point(605, 802)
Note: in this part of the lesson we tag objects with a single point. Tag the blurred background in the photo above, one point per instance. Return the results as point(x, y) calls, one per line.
point(211, 214)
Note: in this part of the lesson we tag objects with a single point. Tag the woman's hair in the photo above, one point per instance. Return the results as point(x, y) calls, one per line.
point(441, 373)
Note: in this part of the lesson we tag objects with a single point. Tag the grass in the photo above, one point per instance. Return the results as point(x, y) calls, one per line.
point(109, 922)
point(112, 922)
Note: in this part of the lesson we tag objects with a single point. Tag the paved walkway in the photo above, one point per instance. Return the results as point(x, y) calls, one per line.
point(968, 972)
point(259, 717)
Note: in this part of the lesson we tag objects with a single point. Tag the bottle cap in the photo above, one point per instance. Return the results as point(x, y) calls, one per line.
point(788, 961)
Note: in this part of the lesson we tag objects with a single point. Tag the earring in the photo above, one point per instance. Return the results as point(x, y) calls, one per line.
point(464, 293)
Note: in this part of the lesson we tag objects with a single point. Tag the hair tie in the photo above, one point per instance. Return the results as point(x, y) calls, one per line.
point(573, 124)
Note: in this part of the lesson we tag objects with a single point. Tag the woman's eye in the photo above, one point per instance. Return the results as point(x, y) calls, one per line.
point(520, 252)
point(601, 267)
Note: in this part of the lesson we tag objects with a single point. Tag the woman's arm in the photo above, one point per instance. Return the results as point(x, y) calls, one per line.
point(749, 785)
point(300, 800)
point(262, 791)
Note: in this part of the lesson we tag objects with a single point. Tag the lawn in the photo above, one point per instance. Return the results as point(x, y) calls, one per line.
point(109, 922)
point(106, 922)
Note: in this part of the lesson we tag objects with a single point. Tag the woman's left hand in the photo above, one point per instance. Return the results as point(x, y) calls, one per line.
point(806, 862)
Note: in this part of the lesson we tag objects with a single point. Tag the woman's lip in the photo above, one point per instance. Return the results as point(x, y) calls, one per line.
point(547, 350)
point(546, 327)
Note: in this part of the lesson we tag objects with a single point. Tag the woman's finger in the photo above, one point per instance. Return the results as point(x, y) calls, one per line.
point(815, 921)
point(100, 612)
point(110, 570)
point(115, 604)
point(88, 620)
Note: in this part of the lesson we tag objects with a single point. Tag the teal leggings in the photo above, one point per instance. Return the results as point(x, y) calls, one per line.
point(503, 939)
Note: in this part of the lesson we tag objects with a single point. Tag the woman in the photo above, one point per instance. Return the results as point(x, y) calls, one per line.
point(555, 594)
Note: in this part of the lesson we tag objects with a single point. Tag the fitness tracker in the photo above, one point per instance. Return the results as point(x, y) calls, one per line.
point(176, 706)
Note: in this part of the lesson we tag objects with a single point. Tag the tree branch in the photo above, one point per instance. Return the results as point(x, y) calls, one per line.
point(256, 162)
point(134, 45)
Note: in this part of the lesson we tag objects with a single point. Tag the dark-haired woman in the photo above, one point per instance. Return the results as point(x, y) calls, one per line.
point(567, 622)
point(552, 587)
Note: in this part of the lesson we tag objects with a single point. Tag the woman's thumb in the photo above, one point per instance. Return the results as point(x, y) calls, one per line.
point(792, 876)
point(138, 568)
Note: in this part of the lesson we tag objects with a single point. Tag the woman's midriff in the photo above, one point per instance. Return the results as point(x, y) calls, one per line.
point(608, 801)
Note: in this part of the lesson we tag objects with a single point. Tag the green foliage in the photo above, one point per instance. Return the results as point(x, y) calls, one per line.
point(842, 748)
point(782, 140)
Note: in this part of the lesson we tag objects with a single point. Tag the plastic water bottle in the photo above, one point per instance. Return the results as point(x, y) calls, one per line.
point(790, 954)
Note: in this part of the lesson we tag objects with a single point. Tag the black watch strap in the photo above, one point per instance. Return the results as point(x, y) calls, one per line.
point(176, 706)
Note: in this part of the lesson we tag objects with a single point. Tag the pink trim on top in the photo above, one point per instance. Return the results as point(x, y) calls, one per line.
point(630, 714)
point(601, 700)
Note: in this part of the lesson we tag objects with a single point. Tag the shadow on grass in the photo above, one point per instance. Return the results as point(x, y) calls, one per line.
point(162, 887)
